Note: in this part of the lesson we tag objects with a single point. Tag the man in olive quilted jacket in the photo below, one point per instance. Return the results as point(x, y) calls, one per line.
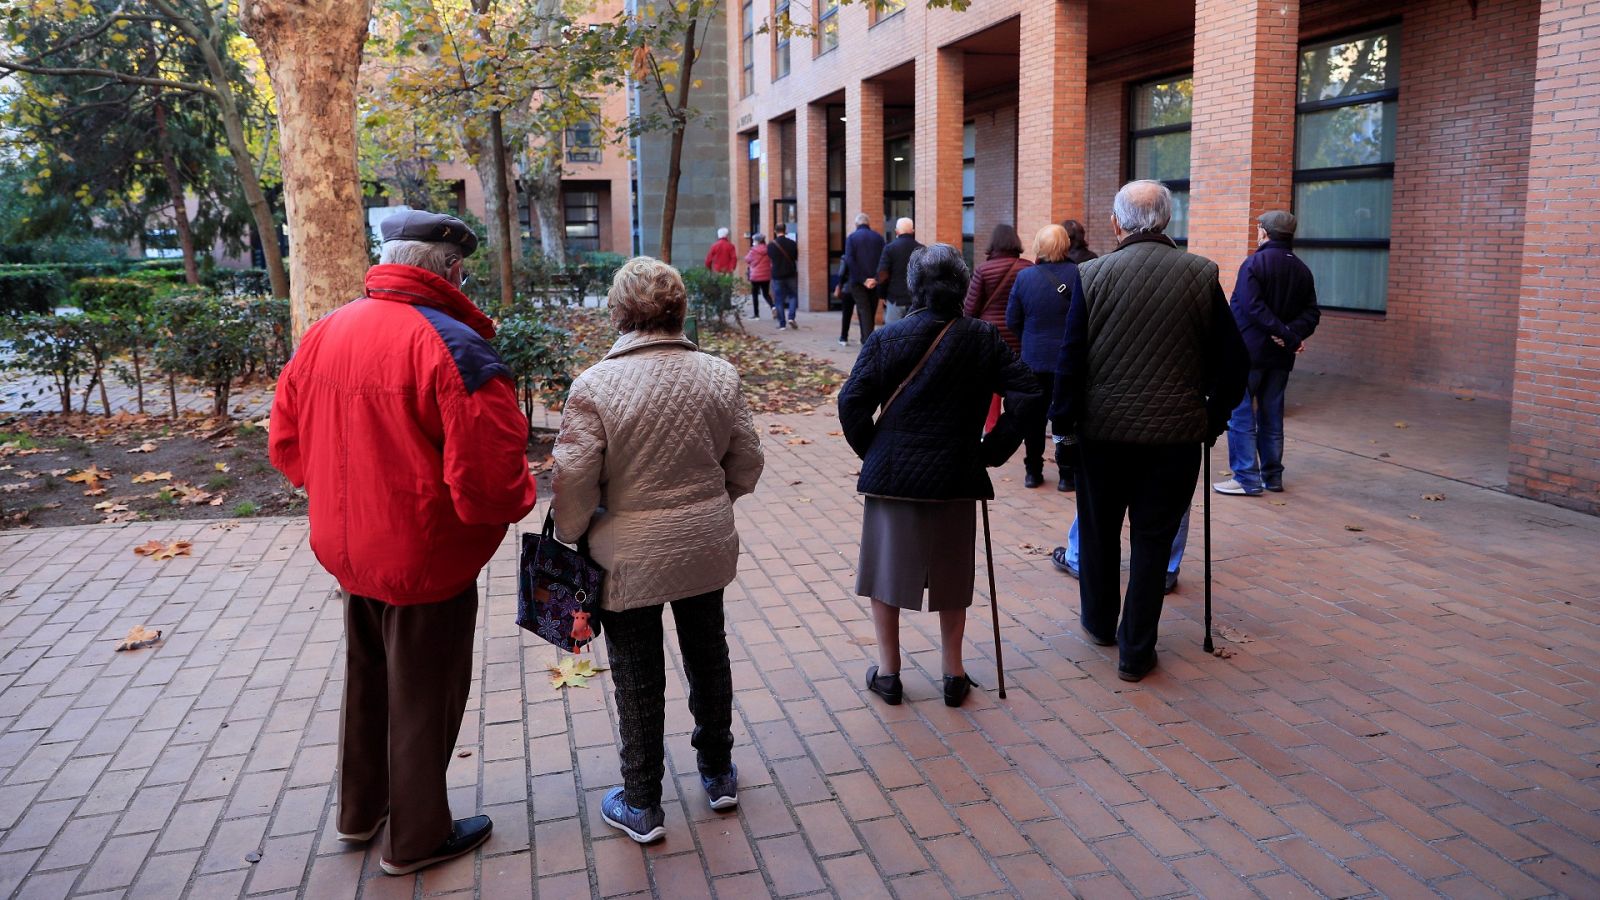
point(1151, 367)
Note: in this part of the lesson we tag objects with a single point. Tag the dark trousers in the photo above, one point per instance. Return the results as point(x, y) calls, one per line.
point(864, 302)
point(639, 674)
point(1038, 429)
point(1151, 485)
point(759, 289)
point(408, 670)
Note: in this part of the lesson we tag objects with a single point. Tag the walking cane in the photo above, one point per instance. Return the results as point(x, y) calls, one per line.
point(994, 607)
point(1205, 485)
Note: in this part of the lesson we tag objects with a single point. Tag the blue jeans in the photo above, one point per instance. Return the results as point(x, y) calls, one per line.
point(1255, 432)
point(1173, 561)
point(785, 299)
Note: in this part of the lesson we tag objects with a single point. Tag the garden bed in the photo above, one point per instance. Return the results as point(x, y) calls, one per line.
point(86, 470)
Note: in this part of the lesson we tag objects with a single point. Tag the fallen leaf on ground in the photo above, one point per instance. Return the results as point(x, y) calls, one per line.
point(463, 753)
point(796, 483)
point(1229, 633)
point(1434, 497)
point(1354, 528)
point(220, 467)
point(573, 672)
point(139, 637)
point(146, 447)
point(94, 492)
point(147, 477)
point(1413, 516)
point(798, 441)
point(835, 434)
point(1401, 425)
point(111, 506)
point(1222, 653)
point(158, 550)
point(90, 478)
point(1279, 502)
point(779, 429)
point(19, 486)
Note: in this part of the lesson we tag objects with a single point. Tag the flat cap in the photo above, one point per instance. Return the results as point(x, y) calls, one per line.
point(421, 225)
point(1277, 222)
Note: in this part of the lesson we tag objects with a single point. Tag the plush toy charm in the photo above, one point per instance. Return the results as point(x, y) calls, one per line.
point(581, 632)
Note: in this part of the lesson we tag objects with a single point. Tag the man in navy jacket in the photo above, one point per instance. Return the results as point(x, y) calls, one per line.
point(1275, 306)
point(859, 266)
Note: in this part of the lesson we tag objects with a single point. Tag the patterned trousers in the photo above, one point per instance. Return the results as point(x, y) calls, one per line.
point(634, 640)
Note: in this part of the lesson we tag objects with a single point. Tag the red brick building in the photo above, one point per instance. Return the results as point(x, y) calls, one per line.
point(1443, 157)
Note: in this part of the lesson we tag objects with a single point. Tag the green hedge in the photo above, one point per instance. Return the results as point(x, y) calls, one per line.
point(31, 289)
point(239, 282)
point(113, 295)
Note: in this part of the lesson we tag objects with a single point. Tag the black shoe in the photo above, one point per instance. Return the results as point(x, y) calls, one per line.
point(1065, 485)
point(1274, 486)
point(956, 689)
point(1058, 558)
point(1033, 479)
point(465, 836)
point(886, 686)
point(722, 792)
point(1136, 673)
point(1172, 582)
point(1096, 639)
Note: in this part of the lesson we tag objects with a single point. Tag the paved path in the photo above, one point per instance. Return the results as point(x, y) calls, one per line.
point(1414, 713)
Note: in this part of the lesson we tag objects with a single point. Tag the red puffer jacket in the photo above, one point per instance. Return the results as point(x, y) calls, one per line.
point(401, 422)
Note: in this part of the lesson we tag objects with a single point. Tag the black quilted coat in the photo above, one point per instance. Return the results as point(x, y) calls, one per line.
point(930, 446)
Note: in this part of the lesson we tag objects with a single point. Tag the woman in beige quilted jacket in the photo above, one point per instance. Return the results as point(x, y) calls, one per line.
point(656, 443)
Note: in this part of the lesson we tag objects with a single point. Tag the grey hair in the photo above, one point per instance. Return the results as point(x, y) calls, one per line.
point(722, 232)
point(435, 256)
point(758, 238)
point(904, 225)
point(863, 219)
point(937, 275)
point(1143, 206)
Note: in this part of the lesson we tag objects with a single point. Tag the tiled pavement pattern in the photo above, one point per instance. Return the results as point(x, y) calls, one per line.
point(1415, 713)
point(21, 393)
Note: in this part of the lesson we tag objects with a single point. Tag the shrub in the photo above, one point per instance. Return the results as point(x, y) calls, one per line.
point(595, 271)
point(49, 345)
point(237, 282)
point(209, 339)
point(30, 289)
point(113, 295)
point(269, 345)
point(713, 296)
point(157, 276)
point(539, 356)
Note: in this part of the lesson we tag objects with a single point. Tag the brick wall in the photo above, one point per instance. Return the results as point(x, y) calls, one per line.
point(996, 171)
point(1053, 67)
point(1555, 407)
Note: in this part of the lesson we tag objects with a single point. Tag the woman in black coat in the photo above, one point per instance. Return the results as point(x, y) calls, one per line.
point(924, 459)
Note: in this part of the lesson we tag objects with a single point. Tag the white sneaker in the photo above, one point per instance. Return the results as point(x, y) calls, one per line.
point(1235, 488)
point(844, 344)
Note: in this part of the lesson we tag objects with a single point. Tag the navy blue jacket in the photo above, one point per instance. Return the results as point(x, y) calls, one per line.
point(1275, 296)
point(1037, 311)
point(930, 445)
point(785, 257)
point(892, 265)
point(861, 252)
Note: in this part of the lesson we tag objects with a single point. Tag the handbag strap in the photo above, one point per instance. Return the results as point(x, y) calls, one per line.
point(549, 532)
point(977, 312)
point(1060, 288)
point(884, 410)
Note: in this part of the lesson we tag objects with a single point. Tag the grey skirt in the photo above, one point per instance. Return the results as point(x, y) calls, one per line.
point(908, 546)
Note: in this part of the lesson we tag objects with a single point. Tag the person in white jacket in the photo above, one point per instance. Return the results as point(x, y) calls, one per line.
point(656, 443)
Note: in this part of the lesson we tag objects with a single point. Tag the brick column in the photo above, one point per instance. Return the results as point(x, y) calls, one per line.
point(1242, 150)
point(941, 110)
point(1051, 125)
point(863, 152)
point(770, 173)
point(811, 193)
point(1555, 402)
point(739, 195)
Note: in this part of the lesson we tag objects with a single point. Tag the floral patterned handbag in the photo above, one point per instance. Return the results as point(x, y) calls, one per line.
point(558, 590)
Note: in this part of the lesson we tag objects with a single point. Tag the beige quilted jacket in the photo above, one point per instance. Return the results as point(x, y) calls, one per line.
point(656, 443)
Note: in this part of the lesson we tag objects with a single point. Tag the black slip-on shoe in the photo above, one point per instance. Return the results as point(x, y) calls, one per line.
point(1096, 639)
point(465, 836)
point(1136, 673)
point(1058, 558)
point(956, 689)
point(886, 686)
point(1032, 479)
point(1065, 485)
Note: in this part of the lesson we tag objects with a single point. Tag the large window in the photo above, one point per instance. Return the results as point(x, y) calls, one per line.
point(1344, 165)
point(969, 190)
point(899, 182)
point(583, 142)
point(582, 220)
point(780, 36)
point(1158, 142)
point(784, 206)
point(827, 25)
point(747, 48)
point(753, 182)
point(883, 9)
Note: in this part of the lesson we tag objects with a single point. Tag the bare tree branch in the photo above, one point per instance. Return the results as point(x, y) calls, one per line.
point(9, 65)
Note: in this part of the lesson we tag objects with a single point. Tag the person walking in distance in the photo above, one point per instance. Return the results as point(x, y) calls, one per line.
point(400, 421)
point(1275, 306)
point(891, 271)
point(758, 270)
point(1150, 367)
point(784, 254)
point(857, 268)
point(723, 257)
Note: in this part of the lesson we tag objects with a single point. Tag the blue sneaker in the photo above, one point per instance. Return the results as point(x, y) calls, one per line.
point(722, 790)
point(643, 825)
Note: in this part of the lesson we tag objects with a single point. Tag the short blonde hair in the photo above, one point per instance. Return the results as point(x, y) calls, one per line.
point(1051, 244)
point(647, 295)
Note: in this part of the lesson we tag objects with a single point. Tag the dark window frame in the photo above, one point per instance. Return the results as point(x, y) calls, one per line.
point(827, 13)
point(747, 47)
point(1364, 172)
point(1135, 134)
point(781, 41)
point(880, 15)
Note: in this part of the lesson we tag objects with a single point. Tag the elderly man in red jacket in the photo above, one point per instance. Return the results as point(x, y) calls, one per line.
point(400, 421)
point(723, 257)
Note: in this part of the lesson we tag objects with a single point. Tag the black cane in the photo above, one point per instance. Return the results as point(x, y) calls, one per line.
point(994, 603)
point(1205, 485)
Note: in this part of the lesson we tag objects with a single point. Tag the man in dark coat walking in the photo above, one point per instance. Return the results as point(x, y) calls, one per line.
point(857, 269)
point(1151, 366)
point(783, 253)
point(1275, 306)
point(891, 274)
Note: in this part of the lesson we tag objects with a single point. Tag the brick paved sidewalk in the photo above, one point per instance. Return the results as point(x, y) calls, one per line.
point(1415, 713)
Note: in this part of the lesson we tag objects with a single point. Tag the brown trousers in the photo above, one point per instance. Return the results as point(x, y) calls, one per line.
point(408, 670)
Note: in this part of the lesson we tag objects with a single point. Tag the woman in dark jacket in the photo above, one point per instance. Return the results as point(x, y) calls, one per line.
point(991, 283)
point(923, 461)
point(1080, 252)
point(1037, 314)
